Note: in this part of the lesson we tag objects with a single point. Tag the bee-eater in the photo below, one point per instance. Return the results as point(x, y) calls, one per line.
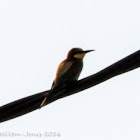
point(67, 72)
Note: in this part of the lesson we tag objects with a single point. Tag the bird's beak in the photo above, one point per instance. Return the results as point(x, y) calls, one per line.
point(81, 55)
point(87, 51)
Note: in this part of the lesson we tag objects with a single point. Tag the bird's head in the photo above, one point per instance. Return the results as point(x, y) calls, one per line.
point(77, 53)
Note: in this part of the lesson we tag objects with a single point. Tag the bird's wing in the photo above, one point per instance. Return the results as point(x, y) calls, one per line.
point(62, 69)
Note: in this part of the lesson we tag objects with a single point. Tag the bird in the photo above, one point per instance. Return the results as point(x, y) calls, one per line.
point(67, 72)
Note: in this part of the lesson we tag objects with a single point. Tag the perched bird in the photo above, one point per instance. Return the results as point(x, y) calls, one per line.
point(67, 72)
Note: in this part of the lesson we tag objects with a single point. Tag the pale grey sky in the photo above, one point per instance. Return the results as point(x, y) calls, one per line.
point(35, 37)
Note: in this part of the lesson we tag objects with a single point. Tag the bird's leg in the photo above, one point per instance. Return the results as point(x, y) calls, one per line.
point(59, 93)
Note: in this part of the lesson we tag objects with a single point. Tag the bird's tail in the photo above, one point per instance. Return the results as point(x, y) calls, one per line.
point(52, 93)
point(43, 102)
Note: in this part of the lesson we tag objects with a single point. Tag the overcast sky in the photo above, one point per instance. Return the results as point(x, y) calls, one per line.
point(35, 37)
